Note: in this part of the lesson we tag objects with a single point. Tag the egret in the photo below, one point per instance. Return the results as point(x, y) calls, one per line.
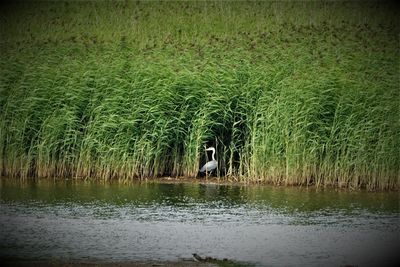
point(211, 165)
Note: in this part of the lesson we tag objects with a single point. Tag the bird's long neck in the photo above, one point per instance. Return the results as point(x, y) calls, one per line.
point(213, 154)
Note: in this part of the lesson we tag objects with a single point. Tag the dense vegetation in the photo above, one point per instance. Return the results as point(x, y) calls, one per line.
point(288, 92)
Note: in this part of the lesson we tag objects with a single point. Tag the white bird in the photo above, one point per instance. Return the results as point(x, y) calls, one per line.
point(211, 165)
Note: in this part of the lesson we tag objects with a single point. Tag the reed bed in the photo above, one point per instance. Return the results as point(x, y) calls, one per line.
point(293, 93)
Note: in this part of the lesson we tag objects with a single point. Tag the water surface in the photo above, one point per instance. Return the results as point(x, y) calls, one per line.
point(76, 221)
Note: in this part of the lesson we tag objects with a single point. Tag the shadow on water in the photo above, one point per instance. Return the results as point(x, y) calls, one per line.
point(284, 199)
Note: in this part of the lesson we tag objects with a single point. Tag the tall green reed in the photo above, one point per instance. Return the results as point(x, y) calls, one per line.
point(137, 93)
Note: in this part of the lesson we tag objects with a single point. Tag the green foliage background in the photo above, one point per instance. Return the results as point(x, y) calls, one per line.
point(288, 92)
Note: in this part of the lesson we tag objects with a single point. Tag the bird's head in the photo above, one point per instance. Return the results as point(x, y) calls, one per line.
point(210, 149)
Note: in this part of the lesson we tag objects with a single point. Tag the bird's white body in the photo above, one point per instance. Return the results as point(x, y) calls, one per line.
point(211, 165)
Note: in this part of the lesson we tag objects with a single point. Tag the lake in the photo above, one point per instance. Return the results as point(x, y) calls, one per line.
point(111, 222)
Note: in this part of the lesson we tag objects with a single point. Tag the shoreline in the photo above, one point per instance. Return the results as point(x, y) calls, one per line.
point(213, 180)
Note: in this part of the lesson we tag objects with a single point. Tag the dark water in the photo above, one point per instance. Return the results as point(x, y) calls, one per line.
point(113, 222)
